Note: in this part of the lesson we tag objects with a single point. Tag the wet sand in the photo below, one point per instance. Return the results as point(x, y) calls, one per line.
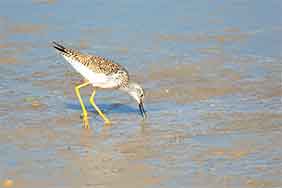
point(212, 75)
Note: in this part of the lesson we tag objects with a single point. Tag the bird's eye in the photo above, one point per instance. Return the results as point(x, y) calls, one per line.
point(142, 95)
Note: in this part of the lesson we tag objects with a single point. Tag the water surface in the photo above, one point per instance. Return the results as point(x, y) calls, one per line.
point(212, 75)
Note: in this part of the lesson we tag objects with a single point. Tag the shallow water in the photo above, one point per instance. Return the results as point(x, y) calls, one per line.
point(212, 75)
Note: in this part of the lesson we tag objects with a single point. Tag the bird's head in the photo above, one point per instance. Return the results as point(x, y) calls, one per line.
point(137, 92)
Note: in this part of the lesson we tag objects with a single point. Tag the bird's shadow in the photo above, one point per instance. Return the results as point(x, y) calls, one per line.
point(109, 108)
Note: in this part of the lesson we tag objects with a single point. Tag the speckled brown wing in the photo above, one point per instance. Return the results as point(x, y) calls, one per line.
point(102, 65)
point(97, 64)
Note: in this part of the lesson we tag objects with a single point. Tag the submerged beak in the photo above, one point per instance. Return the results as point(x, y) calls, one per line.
point(142, 110)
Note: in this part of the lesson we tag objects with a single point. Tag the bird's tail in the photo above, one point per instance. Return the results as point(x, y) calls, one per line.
point(60, 47)
point(64, 51)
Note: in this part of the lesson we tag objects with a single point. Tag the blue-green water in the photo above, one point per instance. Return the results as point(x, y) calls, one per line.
point(212, 74)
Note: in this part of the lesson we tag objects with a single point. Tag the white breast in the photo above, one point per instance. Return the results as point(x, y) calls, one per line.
point(96, 79)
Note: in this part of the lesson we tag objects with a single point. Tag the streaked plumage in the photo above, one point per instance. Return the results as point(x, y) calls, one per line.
point(101, 73)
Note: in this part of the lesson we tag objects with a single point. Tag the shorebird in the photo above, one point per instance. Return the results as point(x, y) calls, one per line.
point(100, 73)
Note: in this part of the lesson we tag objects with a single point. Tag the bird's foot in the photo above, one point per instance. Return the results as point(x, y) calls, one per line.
point(108, 122)
point(85, 122)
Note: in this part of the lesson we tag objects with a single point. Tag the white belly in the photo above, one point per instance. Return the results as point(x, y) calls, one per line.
point(96, 79)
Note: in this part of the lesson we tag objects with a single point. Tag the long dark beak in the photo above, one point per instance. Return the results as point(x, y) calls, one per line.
point(142, 110)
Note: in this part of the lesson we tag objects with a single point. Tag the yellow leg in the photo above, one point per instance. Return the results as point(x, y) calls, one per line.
point(107, 121)
point(84, 111)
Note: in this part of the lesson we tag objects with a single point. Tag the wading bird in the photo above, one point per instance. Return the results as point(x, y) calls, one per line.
point(100, 73)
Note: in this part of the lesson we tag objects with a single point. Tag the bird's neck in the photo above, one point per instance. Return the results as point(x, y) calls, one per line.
point(129, 87)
